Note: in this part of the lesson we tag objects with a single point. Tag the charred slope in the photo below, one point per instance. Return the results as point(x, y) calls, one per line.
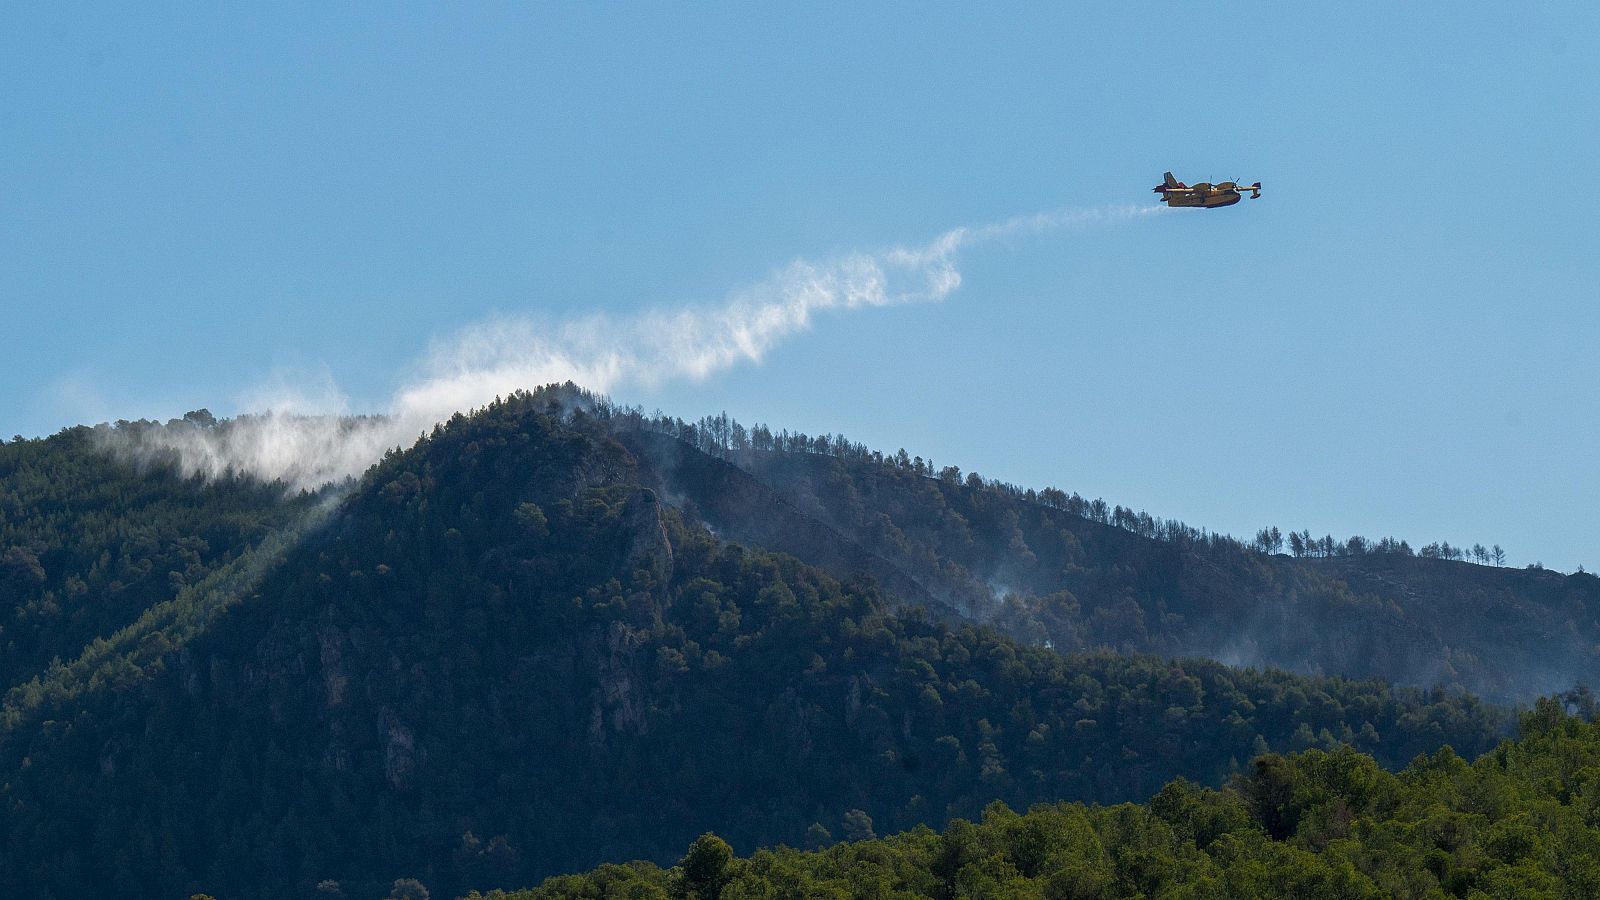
point(736, 506)
point(504, 657)
point(1043, 574)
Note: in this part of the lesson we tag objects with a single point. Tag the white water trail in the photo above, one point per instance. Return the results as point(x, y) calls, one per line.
point(303, 440)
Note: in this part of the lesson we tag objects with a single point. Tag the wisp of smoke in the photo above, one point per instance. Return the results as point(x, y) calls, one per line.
point(306, 449)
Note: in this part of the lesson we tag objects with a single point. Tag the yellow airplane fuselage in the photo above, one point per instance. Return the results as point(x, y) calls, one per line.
point(1204, 201)
point(1204, 195)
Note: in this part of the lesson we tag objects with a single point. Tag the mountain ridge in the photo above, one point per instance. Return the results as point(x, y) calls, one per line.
point(976, 547)
point(503, 656)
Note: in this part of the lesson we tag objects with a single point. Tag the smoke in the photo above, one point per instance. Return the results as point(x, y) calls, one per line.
point(304, 438)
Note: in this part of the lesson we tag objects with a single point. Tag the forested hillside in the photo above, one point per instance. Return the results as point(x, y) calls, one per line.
point(1522, 821)
point(504, 656)
point(88, 545)
point(1049, 566)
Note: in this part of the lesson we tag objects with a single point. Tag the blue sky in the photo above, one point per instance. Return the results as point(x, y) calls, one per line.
point(1398, 338)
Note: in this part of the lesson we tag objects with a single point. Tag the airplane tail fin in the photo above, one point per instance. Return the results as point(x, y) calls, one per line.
point(1170, 181)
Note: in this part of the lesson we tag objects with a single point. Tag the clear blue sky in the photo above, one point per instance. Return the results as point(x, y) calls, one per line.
point(1398, 338)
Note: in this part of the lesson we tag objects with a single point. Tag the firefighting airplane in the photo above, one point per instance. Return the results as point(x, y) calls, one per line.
point(1204, 195)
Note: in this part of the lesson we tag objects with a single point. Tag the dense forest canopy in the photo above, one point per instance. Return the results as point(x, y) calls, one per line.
point(504, 656)
point(87, 545)
point(1521, 821)
point(553, 635)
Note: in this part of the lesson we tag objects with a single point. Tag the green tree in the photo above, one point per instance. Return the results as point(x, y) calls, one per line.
point(706, 868)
